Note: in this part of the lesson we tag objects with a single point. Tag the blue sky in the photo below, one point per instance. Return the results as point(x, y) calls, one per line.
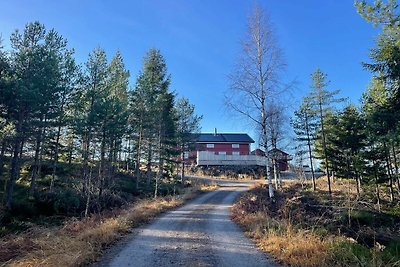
point(200, 40)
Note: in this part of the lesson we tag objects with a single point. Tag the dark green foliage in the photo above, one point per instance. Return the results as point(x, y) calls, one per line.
point(345, 143)
point(347, 253)
point(305, 125)
point(322, 100)
point(69, 134)
point(391, 254)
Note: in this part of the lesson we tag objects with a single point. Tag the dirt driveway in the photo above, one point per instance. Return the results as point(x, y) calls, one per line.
point(197, 234)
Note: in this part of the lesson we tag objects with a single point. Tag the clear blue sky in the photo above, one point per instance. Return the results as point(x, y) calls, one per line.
point(200, 41)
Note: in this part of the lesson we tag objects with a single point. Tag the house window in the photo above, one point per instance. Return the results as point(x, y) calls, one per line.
point(210, 145)
point(222, 153)
point(186, 155)
point(235, 145)
point(236, 153)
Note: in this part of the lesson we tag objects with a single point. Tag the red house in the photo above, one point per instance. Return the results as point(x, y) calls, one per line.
point(224, 143)
point(220, 144)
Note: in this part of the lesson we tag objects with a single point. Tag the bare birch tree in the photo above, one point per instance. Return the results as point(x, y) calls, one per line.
point(255, 79)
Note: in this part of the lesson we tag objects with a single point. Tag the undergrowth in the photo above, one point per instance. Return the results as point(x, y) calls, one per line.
point(80, 241)
point(304, 228)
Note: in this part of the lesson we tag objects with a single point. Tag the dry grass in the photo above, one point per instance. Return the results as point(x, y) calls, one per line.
point(80, 242)
point(303, 249)
point(287, 245)
point(305, 228)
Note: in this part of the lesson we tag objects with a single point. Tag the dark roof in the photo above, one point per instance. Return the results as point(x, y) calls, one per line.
point(223, 138)
point(276, 150)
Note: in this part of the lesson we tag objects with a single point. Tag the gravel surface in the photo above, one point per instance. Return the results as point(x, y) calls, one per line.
point(197, 234)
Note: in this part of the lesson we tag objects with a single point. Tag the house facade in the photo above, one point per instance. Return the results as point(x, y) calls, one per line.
point(224, 143)
point(223, 149)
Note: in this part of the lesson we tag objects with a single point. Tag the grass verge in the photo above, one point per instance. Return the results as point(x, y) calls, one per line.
point(79, 242)
point(303, 228)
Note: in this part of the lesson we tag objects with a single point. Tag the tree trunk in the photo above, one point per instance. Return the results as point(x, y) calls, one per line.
point(138, 156)
point(88, 186)
point(14, 169)
point(389, 173)
point(86, 149)
point(269, 176)
point(182, 162)
point(102, 163)
point(55, 159)
point(275, 174)
point(183, 172)
point(21, 149)
point(148, 171)
point(280, 178)
point(310, 154)
point(160, 163)
point(324, 147)
point(128, 153)
point(396, 167)
point(378, 197)
point(38, 156)
point(70, 151)
point(2, 157)
point(358, 184)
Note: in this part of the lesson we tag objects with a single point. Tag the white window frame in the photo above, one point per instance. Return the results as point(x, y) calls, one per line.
point(185, 155)
point(223, 153)
point(235, 153)
point(235, 145)
point(210, 145)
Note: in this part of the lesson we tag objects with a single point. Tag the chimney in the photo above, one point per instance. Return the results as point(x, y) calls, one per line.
point(215, 131)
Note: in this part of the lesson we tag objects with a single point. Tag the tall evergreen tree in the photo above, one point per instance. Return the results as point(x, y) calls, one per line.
point(112, 113)
point(87, 114)
point(188, 123)
point(34, 93)
point(322, 100)
point(304, 126)
point(152, 114)
point(348, 139)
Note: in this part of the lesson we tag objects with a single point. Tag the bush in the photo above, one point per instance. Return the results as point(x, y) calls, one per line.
point(367, 218)
point(24, 207)
point(67, 201)
point(110, 200)
point(391, 254)
point(348, 253)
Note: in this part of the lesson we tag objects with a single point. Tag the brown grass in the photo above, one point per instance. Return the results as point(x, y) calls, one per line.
point(305, 228)
point(80, 242)
point(288, 245)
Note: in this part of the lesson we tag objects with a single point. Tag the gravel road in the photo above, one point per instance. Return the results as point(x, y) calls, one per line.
point(197, 234)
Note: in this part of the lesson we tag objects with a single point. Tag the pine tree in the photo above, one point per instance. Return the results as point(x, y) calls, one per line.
point(86, 112)
point(152, 115)
point(188, 123)
point(112, 114)
point(33, 94)
point(322, 100)
point(304, 126)
point(348, 139)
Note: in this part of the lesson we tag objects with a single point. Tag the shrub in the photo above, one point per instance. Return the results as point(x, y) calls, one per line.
point(348, 253)
point(24, 207)
point(391, 254)
point(68, 202)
